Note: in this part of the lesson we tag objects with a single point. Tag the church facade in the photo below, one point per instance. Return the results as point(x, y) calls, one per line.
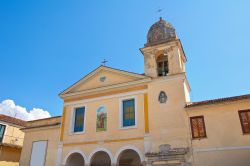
point(113, 117)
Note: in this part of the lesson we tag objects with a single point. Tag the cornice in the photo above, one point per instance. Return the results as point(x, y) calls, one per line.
point(110, 87)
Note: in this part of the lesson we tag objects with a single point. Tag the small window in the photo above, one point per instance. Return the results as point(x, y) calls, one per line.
point(198, 127)
point(128, 112)
point(79, 119)
point(245, 121)
point(2, 129)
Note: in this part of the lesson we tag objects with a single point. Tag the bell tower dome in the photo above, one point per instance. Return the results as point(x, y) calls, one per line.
point(163, 53)
point(160, 32)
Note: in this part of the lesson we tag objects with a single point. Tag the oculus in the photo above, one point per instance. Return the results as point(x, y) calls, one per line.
point(102, 78)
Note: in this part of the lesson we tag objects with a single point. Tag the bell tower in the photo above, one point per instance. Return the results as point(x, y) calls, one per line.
point(163, 53)
point(168, 93)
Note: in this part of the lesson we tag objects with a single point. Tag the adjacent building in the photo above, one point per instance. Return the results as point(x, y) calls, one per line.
point(11, 140)
point(115, 117)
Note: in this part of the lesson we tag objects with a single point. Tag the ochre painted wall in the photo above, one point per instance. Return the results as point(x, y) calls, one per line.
point(10, 151)
point(40, 134)
point(6, 163)
point(225, 143)
point(167, 123)
point(10, 154)
point(113, 121)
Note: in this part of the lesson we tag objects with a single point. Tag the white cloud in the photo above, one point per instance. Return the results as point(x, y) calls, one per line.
point(8, 107)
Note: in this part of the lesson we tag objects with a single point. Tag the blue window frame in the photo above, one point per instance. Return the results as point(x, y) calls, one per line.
point(2, 129)
point(79, 119)
point(128, 115)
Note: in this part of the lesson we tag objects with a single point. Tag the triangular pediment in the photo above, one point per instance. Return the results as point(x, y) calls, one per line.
point(103, 77)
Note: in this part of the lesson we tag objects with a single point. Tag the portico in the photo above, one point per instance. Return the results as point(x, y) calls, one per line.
point(126, 156)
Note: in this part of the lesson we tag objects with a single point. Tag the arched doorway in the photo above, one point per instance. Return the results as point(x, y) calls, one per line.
point(75, 159)
point(129, 157)
point(100, 158)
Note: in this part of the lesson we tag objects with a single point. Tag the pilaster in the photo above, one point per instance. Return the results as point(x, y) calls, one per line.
point(59, 153)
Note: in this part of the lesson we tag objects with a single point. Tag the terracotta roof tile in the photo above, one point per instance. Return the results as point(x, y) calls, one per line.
point(12, 120)
point(220, 100)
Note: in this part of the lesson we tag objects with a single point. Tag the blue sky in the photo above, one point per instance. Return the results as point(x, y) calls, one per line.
point(45, 46)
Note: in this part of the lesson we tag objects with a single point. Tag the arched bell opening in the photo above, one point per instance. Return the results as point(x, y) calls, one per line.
point(162, 65)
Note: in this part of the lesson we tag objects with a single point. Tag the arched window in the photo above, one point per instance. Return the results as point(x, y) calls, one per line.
point(162, 65)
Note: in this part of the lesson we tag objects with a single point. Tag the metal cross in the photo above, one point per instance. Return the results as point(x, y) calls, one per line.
point(159, 10)
point(104, 62)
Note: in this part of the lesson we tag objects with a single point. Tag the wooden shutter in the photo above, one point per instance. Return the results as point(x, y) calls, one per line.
point(245, 121)
point(198, 127)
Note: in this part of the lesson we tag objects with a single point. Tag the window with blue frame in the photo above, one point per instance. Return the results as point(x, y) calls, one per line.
point(128, 115)
point(79, 119)
point(2, 129)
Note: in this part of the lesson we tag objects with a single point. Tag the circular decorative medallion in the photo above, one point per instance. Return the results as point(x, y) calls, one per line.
point(162, 97)
point(102, 78)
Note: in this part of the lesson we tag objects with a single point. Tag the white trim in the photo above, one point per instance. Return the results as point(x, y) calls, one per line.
point(107, 88)
point(72, 121)
point(221, 148)
point(80, 102)
point(76, 151)
point(100, 149)
point(129, 147)
point(121, 112)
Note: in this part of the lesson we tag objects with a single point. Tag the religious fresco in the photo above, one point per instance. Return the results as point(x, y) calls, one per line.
point(101, 119)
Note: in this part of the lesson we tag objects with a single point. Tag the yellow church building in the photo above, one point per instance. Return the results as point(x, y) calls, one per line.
point(113, 117)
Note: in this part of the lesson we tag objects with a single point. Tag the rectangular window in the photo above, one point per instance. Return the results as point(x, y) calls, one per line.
point(2, 129)
point(198, 127)
point(79, 119)
point(245, 121)
point(128, 112)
